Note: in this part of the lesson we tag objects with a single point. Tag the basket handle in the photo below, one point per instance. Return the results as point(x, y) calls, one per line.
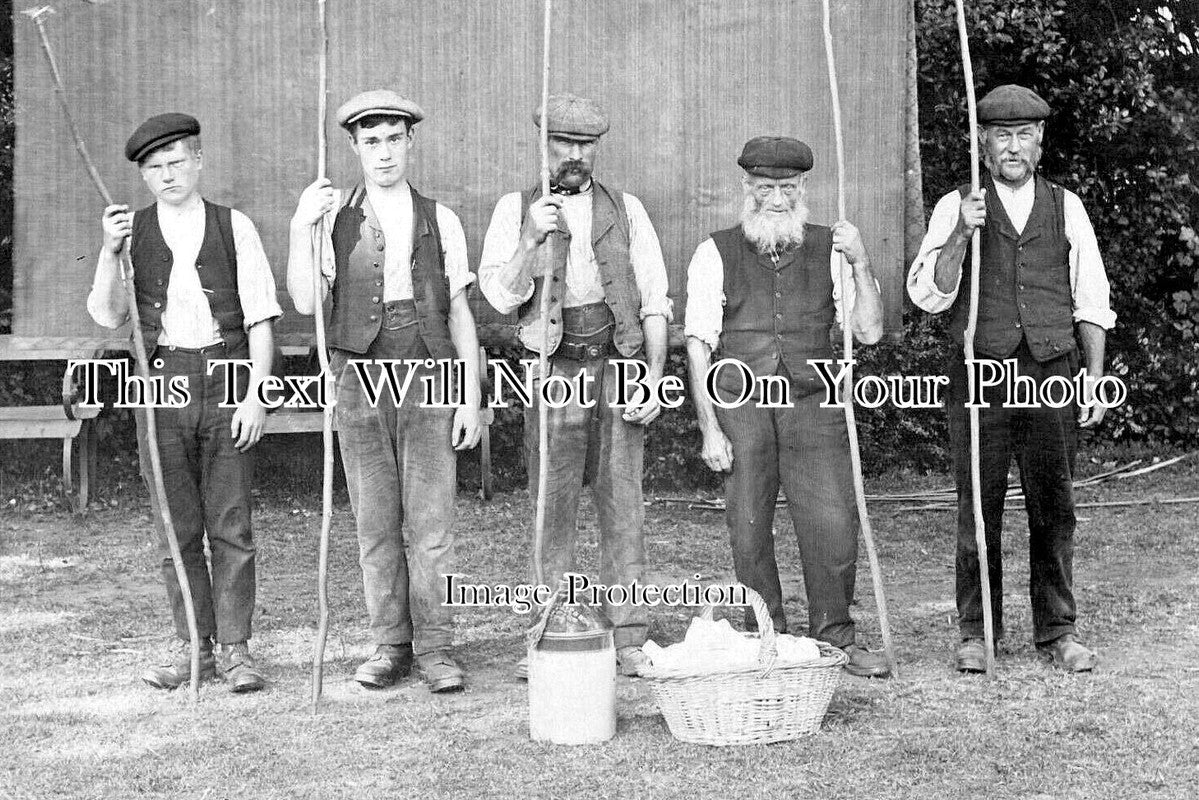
point(768, 651)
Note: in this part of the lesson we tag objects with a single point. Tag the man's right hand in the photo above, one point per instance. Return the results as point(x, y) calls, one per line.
point(540, 220)
point(717, 451)
point(973, 212)
point(315, 202)
point(117, 223)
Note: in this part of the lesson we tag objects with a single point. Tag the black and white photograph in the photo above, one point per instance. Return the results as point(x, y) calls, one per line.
point(599, 399)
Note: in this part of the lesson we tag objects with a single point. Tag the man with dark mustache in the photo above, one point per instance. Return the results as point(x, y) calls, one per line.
point(1042, 281)
point(607, 300)
point(767, 293)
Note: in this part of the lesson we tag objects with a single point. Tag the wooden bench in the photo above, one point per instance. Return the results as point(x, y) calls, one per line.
point(78, 441)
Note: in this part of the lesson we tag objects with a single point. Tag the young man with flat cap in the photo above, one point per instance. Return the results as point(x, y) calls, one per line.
point(767, 292)
point(395, 263)
point(607, 300)
point(1043, 284)
point(204, 291)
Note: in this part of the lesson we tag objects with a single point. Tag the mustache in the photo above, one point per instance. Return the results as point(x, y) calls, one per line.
point(573, 166)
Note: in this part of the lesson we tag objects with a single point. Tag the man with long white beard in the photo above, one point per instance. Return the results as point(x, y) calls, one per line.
point(767, 292)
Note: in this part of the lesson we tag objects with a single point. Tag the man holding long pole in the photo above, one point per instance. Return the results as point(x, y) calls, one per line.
point(204, 292)
point(1042, 284)
point(397, 267)
point(766, 293)
point(607, 299)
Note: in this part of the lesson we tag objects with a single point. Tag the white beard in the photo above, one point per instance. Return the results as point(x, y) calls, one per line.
point(773, 232)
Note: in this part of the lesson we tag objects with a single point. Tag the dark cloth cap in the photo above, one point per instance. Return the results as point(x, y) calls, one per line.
point(160, 130)
point(775, 157)
point(1011, 104)
point(377, 101)
point(573, 117)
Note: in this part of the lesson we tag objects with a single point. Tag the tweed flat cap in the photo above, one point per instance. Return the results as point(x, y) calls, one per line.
point(573, 117)
point(775, 157)
point(159, 130)
point(1011, 104)
point(377, 101)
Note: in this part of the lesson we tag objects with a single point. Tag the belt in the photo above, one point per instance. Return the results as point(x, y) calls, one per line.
point(578, 351)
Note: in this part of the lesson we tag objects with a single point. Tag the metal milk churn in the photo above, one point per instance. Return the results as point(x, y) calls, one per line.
point(572, 675)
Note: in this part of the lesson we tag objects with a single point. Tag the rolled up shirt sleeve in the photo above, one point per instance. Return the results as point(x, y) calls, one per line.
point(453, 244)
point(499, 245)
point(1089, 286)
point(649, 268)
point(97, 300)
point(705, 295)
point(255, 282)
point(922, 284)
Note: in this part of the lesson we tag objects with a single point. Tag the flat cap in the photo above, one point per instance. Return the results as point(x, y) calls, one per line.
point(377, 101)
point(775, 157)
point(1011, 104)
point(159, 130)
point(573, 117)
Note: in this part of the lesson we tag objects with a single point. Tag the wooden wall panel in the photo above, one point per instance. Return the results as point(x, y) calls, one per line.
point(686, 83)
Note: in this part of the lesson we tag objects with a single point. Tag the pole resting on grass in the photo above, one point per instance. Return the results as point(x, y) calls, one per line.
point(322, 573)
point(543, 358)
point(980, 533)
point(125, 266)
point(855, 455)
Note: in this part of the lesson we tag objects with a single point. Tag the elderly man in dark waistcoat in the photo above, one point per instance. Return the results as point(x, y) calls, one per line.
point(767, 293)
point(396, 265)
point(607, 300)
point(204, 291)
point(1042, 281)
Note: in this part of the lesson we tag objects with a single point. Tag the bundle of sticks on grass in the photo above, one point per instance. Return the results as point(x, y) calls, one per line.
point(945, 499)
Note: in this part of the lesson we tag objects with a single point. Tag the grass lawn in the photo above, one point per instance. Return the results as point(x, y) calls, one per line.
point(82, 611)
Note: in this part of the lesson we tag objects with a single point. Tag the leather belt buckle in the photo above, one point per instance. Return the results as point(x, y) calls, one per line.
point(594, 351)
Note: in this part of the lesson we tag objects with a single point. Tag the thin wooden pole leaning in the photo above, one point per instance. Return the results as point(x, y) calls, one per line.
point(125, 266)
point(318, 316)
point(846, 277)
point(980, 533)
point(543, 359)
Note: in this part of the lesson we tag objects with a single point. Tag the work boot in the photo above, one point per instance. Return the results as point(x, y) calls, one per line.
point(866, 663)
point(1068, 654)
point(631, 661)
point(390, 663)
point(440, 671)
point(521, 670)
point(971, 656)
point(238, 669)
point(178, 670)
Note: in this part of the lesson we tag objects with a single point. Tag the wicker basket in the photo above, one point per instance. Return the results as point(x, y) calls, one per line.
point(757, 704)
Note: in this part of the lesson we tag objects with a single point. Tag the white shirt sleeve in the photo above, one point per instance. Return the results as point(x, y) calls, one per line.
point(1089, 286)
point(705, 295)
point(97, 300)
point(649, 268)
point(922, 285)
point(255, 282)
point(499, 245)
point(453, 244)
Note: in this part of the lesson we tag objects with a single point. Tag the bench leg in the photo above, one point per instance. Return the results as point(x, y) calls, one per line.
point(79, 451)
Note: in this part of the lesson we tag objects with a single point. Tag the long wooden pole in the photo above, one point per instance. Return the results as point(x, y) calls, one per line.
point(980, 533)
point(855, 456)
point(125, 266)
point(322, 571)
point(543, 359)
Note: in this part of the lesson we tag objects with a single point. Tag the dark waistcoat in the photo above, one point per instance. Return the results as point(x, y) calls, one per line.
point(1025, 289)
point(610, 242)
point(776, 313)
point(359, 251)
point(216, 266)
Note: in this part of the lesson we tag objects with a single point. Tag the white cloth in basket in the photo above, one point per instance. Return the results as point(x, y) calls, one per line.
point(709, 645)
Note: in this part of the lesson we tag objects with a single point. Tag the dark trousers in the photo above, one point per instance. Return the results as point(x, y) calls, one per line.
point(805, 448)
point(1043, 441)
point(402, 476)
point(208, 492)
